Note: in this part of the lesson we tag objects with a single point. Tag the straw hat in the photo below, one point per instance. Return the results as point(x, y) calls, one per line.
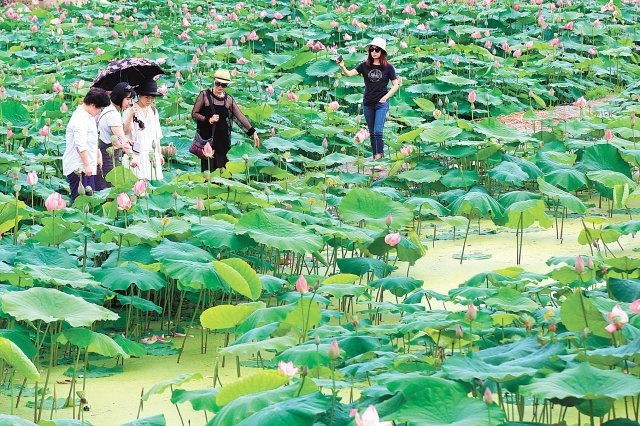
point(379, 42)
point(223, 76)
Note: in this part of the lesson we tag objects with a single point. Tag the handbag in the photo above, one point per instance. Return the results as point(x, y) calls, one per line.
point(197, 146)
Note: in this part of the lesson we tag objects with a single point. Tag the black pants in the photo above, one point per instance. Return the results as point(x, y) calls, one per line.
point(74, 182)
point(108, 163)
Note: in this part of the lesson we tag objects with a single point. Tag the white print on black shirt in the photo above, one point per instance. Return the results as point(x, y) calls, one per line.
point(375, 75)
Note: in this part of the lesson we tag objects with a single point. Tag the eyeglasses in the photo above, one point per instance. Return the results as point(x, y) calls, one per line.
point(375, 49)
point(223, 85)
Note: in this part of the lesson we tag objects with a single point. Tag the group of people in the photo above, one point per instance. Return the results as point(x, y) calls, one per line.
point(110, 129)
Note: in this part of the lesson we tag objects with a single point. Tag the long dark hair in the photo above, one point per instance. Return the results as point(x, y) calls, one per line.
point(383, 58)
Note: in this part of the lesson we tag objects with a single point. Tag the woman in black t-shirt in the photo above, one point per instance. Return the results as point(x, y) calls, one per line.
point(377, 73)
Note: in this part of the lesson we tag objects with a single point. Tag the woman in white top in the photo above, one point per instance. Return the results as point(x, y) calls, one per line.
point(142, 126)
point(81, 156)
point(109, 125)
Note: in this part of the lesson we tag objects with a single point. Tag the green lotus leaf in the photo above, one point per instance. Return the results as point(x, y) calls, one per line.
point(300, 411)
point(477, 202)
point(363, 204)
point(138, 303)
point(218, 234)
point(342, 290)
point(13, 112)
point(262, 381)
point(361, 265)
point(578, 313)
point(11, 420)
point(247, 405)
point(121, 277)
point(456, 80)
point(511, 300)
point(157, 420)
point(240, 277)
point(201, 399)
point(13, 355)
point(131, 348)
point(571, 202)
point(275, 344)
point(624, 290)
point(398, 286)
point(50, 305)
point(322, 69)
point(93, 342)
point(273, 231)
point(456, 178)
point(583, 381)
point(176, 381)
point(494, 128)
point(467, 369)
point(222, 317)
point(307, 354)
point(420, 176)
point(569, 179)
point(195, 275)
point(509, 173)
point(526, 213)
point(32, 254)
point(438, 134)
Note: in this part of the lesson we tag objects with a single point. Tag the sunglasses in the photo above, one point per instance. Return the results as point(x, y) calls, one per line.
point(223, 85)
point(375, 49)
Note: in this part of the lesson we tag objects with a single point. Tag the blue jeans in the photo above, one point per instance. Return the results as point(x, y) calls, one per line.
point(74, 182)
point(376, 115)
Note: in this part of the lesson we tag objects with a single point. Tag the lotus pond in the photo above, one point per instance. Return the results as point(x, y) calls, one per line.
point(477, 275)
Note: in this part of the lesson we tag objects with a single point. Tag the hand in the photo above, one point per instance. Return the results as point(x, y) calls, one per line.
point(383, 99)
point(256, 140)
point(87, 171)
point(214, 119)
point(162, 160)
point(100, 162)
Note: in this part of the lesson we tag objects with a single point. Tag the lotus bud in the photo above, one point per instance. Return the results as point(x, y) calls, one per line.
point(355, 321)
point(579, 268)
point(334, 350)
point(459, 332)
point(200, 204)
point(488, 396)
point(472, 312)
point(590, 263)
point(388, 220)
point(301, 284)
point(317, 339)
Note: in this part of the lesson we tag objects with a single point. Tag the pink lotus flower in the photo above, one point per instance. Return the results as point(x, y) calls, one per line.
point(347, 37)
point(57, 87)
point(488, 44)
point(579, 268)
point(64, 108)
point(472, 96)
point(99, 51)
point(124, 202)
point(243, 61)
point(163, 90)
point(9, 134)
point(32, 178)
point(301, 284)
point(253, 36)
point(140, 188)
point(451, 43)
point(403, 45)
point(635, 306)
point(156, 31)
point(477, 35)
point(287, 368)
point(555, 42)
point(278, 15)
point(382, 8)
point(487, 397)
point(55, 202)
point(270, 89)
point(504, 46)
point(388, 220)
point(608, 135)
point(617, 319)
point(392, 239)
point(200, 204)
point(569, 26)
point(517, 53)
point(590, 264)
point(334, 350)
point(229, 42)
point(370, 417)
point(597, 23)
point(581, 102)
point(593, 51)
point(361, 136)
point(292, 96)
point(472, 312)
point(528, 44)
point(207, 151)
point(334, 106)
point(44, 131)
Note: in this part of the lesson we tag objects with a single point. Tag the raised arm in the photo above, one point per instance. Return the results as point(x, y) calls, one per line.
point(195, 112)
point(348, 73)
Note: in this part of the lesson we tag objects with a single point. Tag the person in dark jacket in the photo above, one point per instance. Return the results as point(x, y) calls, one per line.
point(214, 112)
